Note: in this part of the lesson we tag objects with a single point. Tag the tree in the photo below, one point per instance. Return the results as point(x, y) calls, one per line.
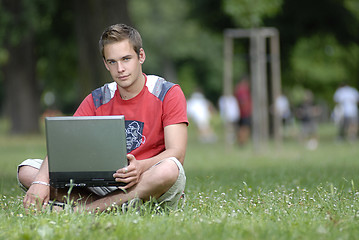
point(177, 46)
point(251, 13)
point(91, 19)
point(22, 99)
point(318, 44)
point(38, 53)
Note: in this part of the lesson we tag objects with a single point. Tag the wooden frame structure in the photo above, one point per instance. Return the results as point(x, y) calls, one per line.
point(258, 73)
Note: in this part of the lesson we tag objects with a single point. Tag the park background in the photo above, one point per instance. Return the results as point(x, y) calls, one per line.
point(49, 61)
point(49, 54)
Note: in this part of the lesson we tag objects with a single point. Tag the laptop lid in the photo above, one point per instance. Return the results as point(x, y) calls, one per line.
point(86, 151)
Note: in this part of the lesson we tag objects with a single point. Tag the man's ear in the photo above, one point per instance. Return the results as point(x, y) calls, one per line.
point(104, 62)
point(142, 56)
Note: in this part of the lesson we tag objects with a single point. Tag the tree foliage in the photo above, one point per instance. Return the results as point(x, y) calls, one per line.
point(251, 13)
point(318, 44)
point(170, 35)
point(183, 42)
point(54, 39)
point(23, 23)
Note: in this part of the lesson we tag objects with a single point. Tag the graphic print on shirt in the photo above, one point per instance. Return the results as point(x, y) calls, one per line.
point(134, 137)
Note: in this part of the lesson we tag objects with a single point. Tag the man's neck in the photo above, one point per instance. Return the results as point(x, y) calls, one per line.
point(134, 90)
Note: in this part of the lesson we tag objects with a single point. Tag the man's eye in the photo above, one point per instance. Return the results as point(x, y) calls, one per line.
point(111, 62)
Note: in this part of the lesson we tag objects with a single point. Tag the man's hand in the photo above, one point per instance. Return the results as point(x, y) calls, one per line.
point(37, 196)
point(130, 174)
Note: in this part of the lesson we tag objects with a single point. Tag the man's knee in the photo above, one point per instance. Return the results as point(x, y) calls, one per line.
point(26, 175)
point(168, 173)
point(26, 172)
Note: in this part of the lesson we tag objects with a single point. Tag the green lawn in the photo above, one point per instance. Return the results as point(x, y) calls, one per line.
point(286, 192)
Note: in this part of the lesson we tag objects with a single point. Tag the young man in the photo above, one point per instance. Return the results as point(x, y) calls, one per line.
point(153, 108)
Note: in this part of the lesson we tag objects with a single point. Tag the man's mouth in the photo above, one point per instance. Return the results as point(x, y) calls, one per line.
point(123, 77)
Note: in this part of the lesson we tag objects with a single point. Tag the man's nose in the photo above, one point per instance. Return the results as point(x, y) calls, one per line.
point(120, 67)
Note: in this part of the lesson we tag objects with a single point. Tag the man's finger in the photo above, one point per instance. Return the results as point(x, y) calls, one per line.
point(130, 157)
point(131, 184)
point(124, 179)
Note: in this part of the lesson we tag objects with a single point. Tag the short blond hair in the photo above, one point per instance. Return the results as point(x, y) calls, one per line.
point(120, 32)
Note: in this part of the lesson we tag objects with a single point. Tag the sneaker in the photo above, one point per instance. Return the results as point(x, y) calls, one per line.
point(61, 205)
point(132, 205)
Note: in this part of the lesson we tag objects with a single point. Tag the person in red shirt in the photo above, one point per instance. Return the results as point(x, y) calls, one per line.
point(156, 132)
point(243, 95)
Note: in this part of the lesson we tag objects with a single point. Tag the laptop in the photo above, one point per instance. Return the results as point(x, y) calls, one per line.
point(85, 151)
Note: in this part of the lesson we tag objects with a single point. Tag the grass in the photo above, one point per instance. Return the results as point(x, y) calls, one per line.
point(285, 192)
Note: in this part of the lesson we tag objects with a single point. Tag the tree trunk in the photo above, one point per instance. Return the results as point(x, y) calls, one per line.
point(22, 100)
point(92, 17)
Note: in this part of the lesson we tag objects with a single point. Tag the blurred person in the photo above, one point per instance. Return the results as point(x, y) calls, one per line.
point(199, 110)
point(244, 99)
point(230, 114)
point(337, 116)
point(347, 99)
point(282, 106)
point(155, 168)
point(307, 112)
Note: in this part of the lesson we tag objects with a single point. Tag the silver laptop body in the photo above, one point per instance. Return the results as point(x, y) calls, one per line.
point(85, 151)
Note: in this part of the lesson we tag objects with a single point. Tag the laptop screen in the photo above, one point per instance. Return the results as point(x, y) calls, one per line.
point(85, 146)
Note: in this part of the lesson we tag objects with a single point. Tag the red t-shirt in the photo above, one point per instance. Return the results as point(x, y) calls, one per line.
point(159, 104)
point(243, 95)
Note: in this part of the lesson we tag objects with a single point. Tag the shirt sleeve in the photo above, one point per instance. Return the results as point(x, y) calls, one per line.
point(86, 108)
point(174, 107)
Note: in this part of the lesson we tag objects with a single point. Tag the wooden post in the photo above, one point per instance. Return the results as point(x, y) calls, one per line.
point(276, 84)
point(228, 81)
point(255, 89)
point(259, 88)
point(263, 94)
point(228, 66)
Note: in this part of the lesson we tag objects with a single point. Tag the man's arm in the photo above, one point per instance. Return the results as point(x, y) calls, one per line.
point(39, 194)
point(175, 144)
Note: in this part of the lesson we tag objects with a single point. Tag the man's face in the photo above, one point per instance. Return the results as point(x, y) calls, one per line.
point(123, 63)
